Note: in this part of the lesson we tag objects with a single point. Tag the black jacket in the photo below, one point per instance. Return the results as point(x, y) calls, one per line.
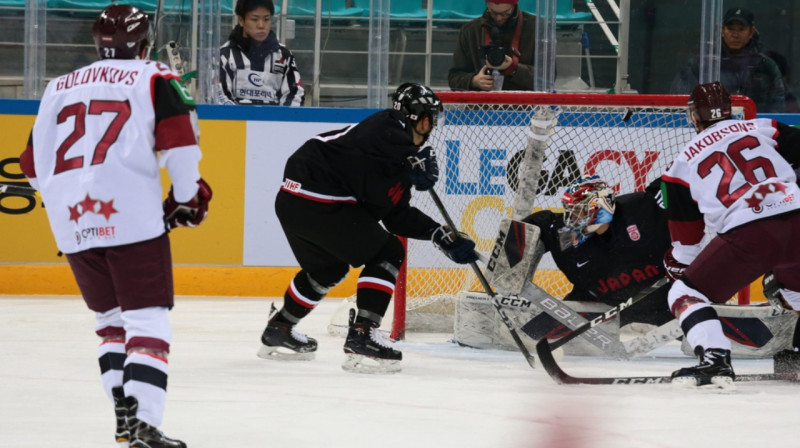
point(367, 162)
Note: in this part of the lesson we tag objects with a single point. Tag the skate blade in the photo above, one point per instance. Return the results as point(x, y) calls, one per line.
point(283, 354)
point(364, 364)
point(717, 384)
point(125, 443)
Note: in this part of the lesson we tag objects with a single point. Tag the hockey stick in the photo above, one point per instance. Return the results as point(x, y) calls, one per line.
point(525, 352)
point(18, 190)
point(545, 345)
point(561, 377)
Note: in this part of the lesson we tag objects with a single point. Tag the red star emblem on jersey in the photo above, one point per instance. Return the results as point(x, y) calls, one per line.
point(764, 190)
point(87, 204)
point(73, 213)
point(779, 187)
point(107, 209)
point(753, 201)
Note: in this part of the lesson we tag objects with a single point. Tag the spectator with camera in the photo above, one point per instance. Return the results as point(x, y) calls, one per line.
point(495, 51)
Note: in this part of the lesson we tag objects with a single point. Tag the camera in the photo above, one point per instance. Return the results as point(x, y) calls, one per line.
point(494, 53)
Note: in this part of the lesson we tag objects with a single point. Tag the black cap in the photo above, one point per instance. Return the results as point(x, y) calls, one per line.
point(739, 14)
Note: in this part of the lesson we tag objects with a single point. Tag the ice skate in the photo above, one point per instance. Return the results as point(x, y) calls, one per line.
point(144, 435)
point(121, 435)
point(714, 371)
point(368, 350)
point(282, 342)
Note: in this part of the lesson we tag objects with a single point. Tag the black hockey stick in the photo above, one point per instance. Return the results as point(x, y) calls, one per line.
point(545, 351)
point(561, 377)
point(525, 352)
point(544, 344)
point(18, 190)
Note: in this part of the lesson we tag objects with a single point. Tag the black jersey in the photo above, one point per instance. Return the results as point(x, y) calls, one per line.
point(615, 265)
point(365, 164)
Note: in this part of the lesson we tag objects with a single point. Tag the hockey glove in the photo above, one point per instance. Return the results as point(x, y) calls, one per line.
point(674, 267)
point(424, 169)
point(458, 247)
point(188, 214)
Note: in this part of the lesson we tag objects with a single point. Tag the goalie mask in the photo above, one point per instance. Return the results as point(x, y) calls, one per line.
point(416, 101)
point(709, 103)
point(121, 32)
point(588, 203)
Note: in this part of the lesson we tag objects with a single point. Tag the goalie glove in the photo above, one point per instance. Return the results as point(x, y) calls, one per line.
point(191, 213)
point(424, 169)
point(674, 267)
point(456, 246)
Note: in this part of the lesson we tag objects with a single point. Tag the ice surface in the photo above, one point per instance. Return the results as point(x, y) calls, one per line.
point(222, 395)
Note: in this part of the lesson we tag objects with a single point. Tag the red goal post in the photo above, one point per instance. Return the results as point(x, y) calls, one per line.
point(627, 139)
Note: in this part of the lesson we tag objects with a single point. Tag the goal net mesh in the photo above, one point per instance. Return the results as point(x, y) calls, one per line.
point(628, 140)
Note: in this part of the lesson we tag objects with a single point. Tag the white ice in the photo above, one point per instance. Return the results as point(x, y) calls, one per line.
point(221, 395)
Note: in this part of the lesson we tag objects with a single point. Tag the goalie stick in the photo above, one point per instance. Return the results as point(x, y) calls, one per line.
point(525, 352)
point(19, 190)
point(561, 377)
point(545, 351)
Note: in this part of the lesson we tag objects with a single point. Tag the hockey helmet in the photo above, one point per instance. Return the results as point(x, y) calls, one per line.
point(121, 31)
point(709, 103)
point(588, 203)
point(415, 101)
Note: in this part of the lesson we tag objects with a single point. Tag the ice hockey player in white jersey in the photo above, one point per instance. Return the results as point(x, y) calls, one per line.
point(736, 178)
point(101, 134)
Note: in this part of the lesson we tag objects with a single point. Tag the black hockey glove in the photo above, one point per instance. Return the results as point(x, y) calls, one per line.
point(458, 247)
point(424, 169)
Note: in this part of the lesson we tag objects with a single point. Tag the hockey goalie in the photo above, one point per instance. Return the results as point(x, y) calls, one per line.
point(610, 248)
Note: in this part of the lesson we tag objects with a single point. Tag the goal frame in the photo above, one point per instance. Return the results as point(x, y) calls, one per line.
point(532, 99)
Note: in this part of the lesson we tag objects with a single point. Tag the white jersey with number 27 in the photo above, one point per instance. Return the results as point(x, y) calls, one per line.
point(95, 146)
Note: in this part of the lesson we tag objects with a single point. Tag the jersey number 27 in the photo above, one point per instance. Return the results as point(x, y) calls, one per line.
point(122, 112)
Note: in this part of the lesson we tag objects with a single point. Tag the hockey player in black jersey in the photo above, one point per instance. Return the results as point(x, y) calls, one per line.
point(610, 247)
point(345, 196)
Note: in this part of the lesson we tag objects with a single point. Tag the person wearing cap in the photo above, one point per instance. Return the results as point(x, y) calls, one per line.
point(495, 51)
point(744, 68)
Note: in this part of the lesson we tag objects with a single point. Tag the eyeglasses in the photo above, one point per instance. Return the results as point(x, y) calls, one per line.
point(500, 14)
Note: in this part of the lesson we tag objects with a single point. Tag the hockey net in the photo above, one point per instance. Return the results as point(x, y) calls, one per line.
point(628, 140)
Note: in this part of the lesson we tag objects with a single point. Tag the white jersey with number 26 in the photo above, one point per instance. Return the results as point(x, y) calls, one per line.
point(735, 174)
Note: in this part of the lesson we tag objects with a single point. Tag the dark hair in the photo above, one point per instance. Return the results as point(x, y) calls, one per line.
point(245, 6)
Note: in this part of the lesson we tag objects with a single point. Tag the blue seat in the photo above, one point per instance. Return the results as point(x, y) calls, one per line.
point(564, 12)
point(407, 9)
point(330, 8)
point(98, 5)
point(458, 9)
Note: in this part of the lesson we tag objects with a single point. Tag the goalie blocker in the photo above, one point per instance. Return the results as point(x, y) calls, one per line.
point(515, 256)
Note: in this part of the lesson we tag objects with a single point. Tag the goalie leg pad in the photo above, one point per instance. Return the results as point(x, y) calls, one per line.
point(516, 254)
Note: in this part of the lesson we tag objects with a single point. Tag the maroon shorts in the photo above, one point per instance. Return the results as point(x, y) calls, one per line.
point(737, 258)
point(133, 276)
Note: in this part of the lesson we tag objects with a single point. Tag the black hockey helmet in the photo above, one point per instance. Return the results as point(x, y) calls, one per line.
point(710, 103)
point(121, 32)
point(415, 101)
